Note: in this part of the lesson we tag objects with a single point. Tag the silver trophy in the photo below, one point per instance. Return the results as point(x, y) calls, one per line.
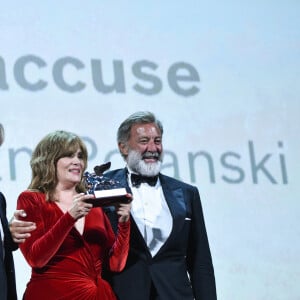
point(107, 192)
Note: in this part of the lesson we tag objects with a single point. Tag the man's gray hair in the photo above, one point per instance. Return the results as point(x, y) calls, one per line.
point(1, 134)
point(140, 117)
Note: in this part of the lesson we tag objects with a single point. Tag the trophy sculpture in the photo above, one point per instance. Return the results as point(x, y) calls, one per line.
point(107, 192)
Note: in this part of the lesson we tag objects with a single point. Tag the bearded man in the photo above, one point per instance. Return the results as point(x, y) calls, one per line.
point(169, 256)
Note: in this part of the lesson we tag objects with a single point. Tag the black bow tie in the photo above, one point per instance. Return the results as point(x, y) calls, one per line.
point(136, 180)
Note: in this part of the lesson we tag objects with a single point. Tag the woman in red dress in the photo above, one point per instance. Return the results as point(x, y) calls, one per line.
point(73, 242)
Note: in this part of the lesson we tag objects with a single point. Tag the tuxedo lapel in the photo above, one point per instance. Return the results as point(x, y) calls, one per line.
point(3, 219)
point(175, 200)
point(2, 210)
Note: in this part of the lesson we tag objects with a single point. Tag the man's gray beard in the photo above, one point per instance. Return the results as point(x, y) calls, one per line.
point(138, 165)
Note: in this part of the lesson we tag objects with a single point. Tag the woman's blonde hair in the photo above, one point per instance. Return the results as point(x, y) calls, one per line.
point(44, 159)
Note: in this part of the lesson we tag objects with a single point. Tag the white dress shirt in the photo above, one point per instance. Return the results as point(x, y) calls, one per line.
point(151, 214)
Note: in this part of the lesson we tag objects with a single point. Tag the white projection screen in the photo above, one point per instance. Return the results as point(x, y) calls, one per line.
point(223, 77)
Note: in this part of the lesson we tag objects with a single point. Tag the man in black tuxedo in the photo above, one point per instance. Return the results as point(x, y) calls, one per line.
point(10, 235)
point(7, 270)
point(7, 245)
point(169, 256)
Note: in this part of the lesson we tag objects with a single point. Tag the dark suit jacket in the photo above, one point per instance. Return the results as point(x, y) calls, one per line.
point(182, 269)
point(7, 270)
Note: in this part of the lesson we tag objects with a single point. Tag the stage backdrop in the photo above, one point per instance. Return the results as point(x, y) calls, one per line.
point(222, 77)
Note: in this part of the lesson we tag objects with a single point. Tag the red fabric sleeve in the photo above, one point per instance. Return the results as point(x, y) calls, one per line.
point(120, 248)
point(44, 242)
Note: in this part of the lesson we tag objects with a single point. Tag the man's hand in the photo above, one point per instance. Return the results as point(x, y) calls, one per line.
point(20, 230)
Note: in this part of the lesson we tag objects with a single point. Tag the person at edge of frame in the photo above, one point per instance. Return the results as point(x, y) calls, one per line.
point(7, 245)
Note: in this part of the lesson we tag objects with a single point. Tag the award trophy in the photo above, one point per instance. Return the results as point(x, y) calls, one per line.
point(107, 192)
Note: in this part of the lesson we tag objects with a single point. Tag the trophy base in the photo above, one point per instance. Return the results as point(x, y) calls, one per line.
point(109, 197)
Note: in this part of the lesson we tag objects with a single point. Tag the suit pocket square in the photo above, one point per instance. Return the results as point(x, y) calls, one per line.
point(188, 219)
